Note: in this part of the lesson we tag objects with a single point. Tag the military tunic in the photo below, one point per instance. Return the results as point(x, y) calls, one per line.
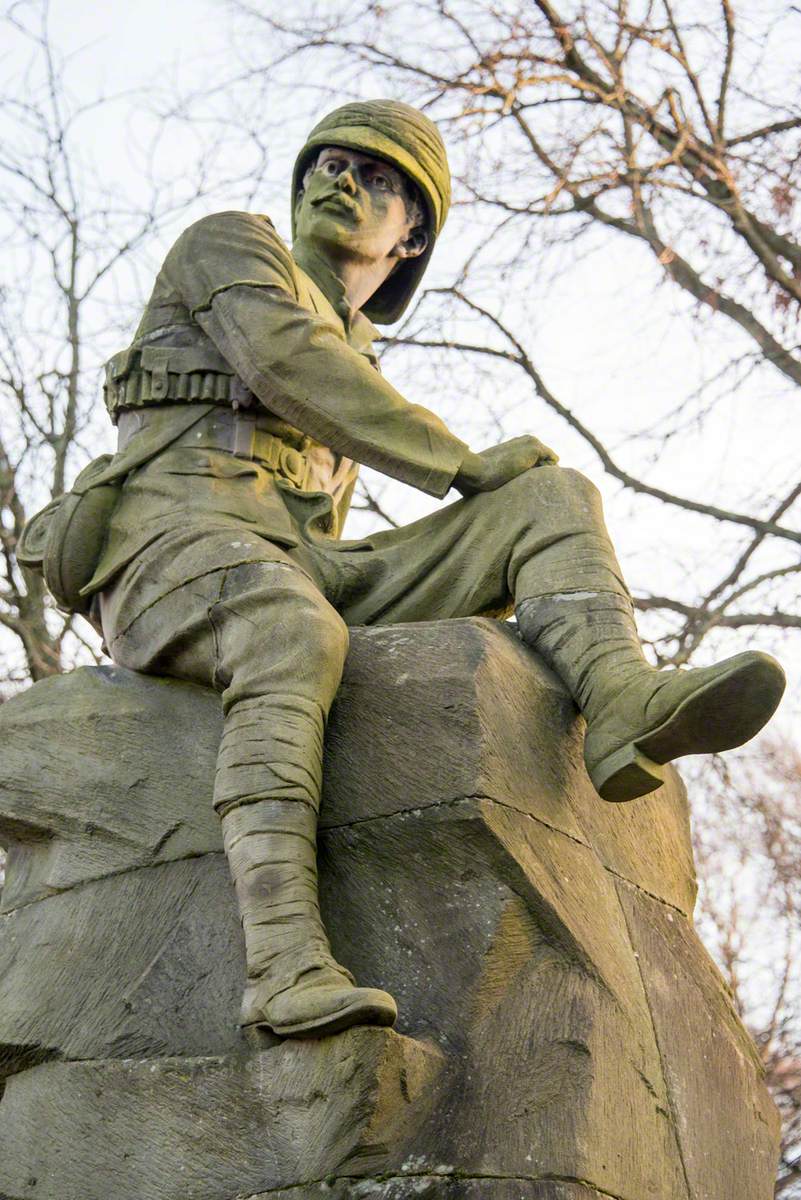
point(232, 315)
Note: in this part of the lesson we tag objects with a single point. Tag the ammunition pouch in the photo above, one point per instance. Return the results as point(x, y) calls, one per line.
point(64, 541)
point(154, 375)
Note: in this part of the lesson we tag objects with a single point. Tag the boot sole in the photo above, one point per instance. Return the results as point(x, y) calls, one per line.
point(344, 1018)
point(725, 713)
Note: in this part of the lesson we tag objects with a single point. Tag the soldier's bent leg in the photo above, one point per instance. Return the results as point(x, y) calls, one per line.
point(281, 650)
point(267, 639)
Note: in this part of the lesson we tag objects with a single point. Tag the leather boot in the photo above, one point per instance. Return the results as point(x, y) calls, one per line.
point(639, 718)
point(295, 986)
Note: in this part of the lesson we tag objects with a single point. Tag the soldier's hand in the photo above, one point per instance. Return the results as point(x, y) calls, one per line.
point(492, 468)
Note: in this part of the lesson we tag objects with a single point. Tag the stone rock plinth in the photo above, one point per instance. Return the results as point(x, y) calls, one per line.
point(562, 1033)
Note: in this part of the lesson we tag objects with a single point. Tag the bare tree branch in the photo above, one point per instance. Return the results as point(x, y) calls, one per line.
point(518, 356)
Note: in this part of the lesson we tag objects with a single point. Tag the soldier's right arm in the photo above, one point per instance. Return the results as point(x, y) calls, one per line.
point(238, 280)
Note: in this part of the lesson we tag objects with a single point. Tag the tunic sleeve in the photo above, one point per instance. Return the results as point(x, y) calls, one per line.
point(237, 278)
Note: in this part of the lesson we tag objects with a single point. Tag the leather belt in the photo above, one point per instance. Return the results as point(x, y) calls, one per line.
point(239, 433)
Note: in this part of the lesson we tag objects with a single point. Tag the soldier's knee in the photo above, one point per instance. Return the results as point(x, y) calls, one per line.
point(562, 493)
point(298, 621)
point(551, 479)
point(310, 657)
point(576, 483)
point(275, 631)
point(321, 631)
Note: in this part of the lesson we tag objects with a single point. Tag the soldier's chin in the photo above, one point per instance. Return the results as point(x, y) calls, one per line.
point(344, 236)
point(334, 225)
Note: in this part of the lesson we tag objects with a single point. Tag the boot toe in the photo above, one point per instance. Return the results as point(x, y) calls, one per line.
point(703, 711)
point(717, 708)
point(315, 1011)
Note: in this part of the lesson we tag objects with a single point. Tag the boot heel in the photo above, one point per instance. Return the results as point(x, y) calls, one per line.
point(626, 774)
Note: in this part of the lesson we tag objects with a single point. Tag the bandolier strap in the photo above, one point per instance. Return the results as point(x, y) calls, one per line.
point(154, 375)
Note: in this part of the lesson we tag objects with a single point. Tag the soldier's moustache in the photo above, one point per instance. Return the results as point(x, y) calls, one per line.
point(341, 198)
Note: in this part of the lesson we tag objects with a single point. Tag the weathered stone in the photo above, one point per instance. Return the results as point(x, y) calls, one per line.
point(62, 819)
point(708, 1058)
point(497, 723)
point(508, 944)
point(148, 962)
point(556, 1007)
point(103, 770)
point(437, 1187)
point(213, 1127)
point(460, 681)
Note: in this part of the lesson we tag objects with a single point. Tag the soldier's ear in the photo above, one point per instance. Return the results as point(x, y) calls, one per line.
point(301, 192)
point(413, 245)
point(304, 183)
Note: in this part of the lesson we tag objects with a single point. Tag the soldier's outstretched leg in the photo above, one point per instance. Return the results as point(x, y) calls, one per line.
point(265, 637)
point(540, 543)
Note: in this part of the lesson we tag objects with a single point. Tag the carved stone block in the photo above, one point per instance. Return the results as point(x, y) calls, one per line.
point(562, 1033)
point(203, 1127)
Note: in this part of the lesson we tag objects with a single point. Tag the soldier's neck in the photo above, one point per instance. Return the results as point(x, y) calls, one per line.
point(346, 282)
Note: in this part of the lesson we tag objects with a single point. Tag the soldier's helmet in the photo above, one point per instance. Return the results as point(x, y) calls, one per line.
point(410, 141)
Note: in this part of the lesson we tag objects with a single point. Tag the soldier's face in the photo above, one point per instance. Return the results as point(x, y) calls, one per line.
point(358, 205)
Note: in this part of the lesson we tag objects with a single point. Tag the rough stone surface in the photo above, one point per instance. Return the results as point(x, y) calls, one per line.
point(437, 1187)
point(498, 956)
point(103, 770)
point(562, 1033)
point(146, 962)
point(706, 1054)
point(213, 1126)
point(488, 720)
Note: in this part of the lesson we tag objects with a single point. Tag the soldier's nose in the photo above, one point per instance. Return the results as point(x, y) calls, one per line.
point(346, 182)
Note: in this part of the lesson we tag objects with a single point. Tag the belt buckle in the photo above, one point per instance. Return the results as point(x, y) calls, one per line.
point(292, 465)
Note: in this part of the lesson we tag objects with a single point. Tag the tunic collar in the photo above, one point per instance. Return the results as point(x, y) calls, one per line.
point(360, 333)
point(327, 281)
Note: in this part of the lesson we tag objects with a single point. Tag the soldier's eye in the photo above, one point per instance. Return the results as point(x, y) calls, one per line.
point(332, 167)
point(382, 183)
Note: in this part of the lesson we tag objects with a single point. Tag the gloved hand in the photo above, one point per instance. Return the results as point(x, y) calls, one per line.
point(492, 468)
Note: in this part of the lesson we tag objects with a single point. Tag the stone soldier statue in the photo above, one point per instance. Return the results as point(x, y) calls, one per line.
point(247, 398)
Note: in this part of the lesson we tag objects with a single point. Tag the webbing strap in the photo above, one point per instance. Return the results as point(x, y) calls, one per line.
point(234, 432)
